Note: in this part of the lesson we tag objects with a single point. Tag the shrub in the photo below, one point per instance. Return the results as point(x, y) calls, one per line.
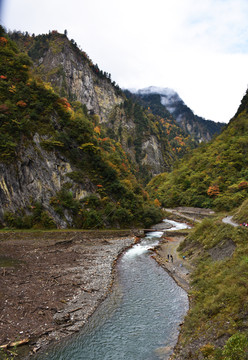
point(91, 219)
point(236, 347)
point(122, 216)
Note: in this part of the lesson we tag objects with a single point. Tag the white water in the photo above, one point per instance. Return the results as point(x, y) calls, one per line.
point(152, 239)
point(176, 225)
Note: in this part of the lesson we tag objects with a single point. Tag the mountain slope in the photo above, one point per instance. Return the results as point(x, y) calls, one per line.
point(200, 129)
point(70, 71)
point(58, 167)
point(215, 327)
point(151, 142)
point(215, 174)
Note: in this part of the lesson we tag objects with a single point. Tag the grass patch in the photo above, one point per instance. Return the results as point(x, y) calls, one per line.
point(219, 295)
point(6, 261)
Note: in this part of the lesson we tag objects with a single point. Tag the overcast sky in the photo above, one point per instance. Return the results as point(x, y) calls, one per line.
point(199, 48)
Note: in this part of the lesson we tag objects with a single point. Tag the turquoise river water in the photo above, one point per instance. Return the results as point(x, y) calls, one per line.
point(139, 320)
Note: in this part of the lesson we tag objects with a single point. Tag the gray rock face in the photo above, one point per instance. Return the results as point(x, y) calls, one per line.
point(37, 176)
point(72, 74)
point(153, 155)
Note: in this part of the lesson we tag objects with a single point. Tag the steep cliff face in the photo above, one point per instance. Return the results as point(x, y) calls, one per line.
point(57, 166)
point(200, 129)
point(141, 137)
point(36, 177)
point(73, 75)
point(153, 158)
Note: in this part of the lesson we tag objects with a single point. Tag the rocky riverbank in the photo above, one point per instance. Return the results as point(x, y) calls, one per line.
point(179, 269)
point(51, 282)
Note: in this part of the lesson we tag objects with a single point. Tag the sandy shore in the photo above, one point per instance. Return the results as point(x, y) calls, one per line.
point(51, 282)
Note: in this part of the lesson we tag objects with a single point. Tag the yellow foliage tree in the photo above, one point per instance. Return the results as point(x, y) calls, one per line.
point(97, 129)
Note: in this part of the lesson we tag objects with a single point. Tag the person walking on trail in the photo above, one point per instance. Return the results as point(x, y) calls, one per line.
point(171, 258)
point(168, 256)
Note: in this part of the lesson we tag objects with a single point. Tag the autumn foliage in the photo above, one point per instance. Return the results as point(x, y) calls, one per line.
point(3, 41)
point(157, 203)
point(21, 103)
point(97, 130)
point(64, 103)
point(243, 185)
point(213, 190)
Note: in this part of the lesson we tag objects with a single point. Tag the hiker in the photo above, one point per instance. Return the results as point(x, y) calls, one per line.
point(171, 258)
point(168, 256)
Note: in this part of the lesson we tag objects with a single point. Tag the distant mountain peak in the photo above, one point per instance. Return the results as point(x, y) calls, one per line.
point(156, 90)
point(198, 127)
point(168, 96)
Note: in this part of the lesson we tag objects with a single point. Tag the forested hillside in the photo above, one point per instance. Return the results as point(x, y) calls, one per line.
point(214, 175)
point(215, 327)
point(58, 166)
point(180, 141)
point(76, 152)
point(73, 75)
point(147, 131)
point(59, 110)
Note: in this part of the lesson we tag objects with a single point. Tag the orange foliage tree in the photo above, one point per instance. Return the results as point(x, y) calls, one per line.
point(243, 185)
point(3, 41)
point(157, 203)
point(213, 190)
point(21, 103)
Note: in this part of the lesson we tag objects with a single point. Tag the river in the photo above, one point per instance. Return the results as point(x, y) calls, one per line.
point(139, 319)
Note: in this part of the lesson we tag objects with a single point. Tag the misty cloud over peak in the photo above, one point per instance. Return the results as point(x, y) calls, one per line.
point(168, 97)
point(155, 90)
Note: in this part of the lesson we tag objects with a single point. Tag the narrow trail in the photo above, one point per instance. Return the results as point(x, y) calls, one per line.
point(180, 214)
point(228, 220)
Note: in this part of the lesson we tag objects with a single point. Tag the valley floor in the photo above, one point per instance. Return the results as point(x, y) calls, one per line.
point(51, 282)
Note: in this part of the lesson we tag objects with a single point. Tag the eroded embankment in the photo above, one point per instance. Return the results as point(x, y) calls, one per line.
point(51, 282)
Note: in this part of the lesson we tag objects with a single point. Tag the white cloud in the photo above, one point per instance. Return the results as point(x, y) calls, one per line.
point(199, 48)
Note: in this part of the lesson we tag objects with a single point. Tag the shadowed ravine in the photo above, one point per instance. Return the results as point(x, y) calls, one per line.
point(140, 318)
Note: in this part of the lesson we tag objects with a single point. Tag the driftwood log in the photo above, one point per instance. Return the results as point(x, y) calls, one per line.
point(14, 344)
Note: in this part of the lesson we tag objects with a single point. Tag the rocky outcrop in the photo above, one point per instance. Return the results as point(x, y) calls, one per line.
point(54, 147)
point(37, 176)
point(74, 76)
point(153, 158)
point(152, 153)
point(59, 61)
point(71, 74)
